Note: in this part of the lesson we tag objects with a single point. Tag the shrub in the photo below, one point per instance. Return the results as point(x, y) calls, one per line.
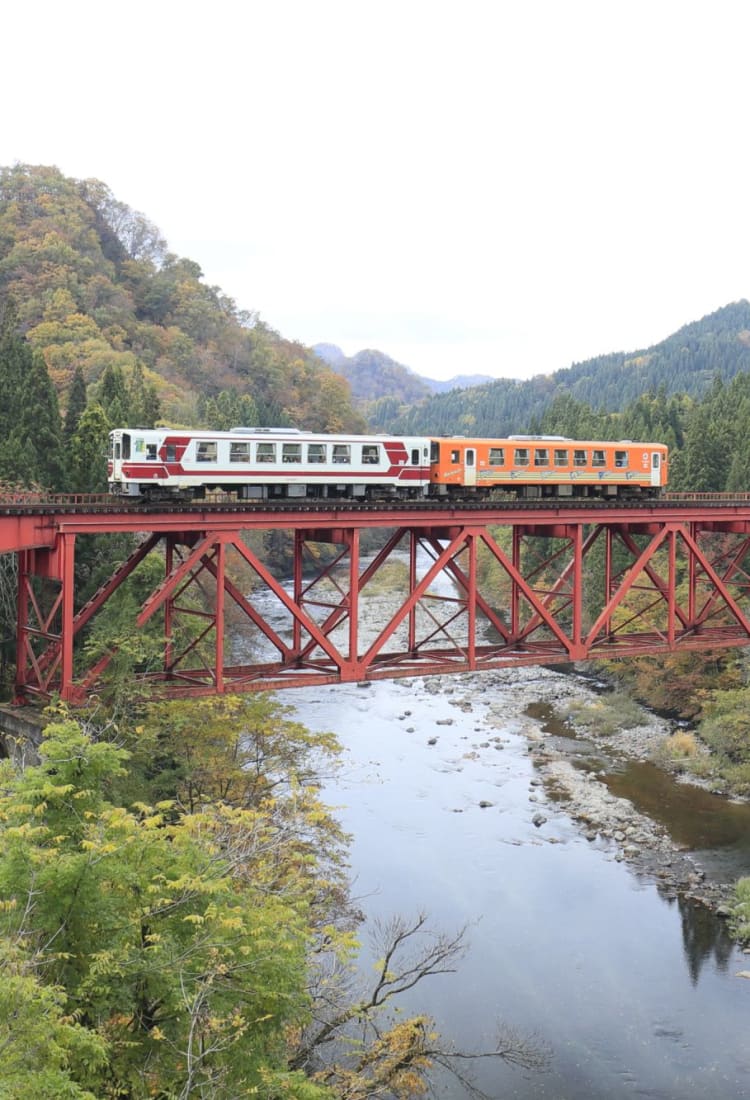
point(740, 919)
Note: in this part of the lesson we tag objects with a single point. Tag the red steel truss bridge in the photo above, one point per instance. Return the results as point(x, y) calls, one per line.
point(376, 591)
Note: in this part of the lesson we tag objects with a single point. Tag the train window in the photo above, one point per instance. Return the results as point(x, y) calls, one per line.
point(342, 452)
point(265, 452)
point(117, 450)
point(598, 458)
point(170, 452)
point(291, 452)
point(239, 452)
point(521, 456)
point(541, 456)
point(455, 456)
point(370, 454)
point(415, 456)
point(562, 456)
point(434, 451)
point(655, 460)
point(151, 452)
point(497, 456)
point(205, 451)
point(621, 459)
point(316, 452)
point(125, 445)
point(580, 458)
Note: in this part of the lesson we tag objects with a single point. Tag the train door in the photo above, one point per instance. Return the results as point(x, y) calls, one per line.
point(655, 468)
point(470, 466)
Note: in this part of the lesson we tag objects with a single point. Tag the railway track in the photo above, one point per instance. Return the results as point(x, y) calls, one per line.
point(104, 503)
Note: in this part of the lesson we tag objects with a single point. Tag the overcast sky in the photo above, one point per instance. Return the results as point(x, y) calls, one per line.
point(471, 186)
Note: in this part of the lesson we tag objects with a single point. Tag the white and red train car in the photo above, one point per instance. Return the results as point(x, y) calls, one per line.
point(266, 463)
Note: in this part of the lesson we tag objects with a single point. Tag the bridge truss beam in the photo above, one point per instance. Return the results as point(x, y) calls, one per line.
point(435, 598)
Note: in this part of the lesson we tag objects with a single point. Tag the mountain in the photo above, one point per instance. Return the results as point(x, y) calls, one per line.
point(458, 382)
point(687, 362)
point(383, 388)
point(94, 286)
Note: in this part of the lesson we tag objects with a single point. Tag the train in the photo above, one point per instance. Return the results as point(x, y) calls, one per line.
point(257, 464)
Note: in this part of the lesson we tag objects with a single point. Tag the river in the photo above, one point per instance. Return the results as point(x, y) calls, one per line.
point(631, 990)
point(632, 993)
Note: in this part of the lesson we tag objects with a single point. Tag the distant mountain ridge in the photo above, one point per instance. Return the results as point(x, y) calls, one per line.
point(373, 374)
point(687, 362)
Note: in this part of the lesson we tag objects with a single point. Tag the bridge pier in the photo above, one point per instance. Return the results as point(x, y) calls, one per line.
point(21, 733)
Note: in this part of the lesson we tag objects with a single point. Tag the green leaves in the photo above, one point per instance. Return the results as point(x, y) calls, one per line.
point(175, 938)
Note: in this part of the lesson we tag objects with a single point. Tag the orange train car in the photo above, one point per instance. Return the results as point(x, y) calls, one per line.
point(547, 466)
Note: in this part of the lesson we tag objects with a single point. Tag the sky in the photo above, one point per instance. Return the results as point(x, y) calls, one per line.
point(470, 187)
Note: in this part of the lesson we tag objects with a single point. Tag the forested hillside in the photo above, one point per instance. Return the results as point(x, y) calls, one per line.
point(95, 288)
point(718, 346)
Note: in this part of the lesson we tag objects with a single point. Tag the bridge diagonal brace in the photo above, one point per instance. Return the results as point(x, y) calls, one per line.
point(339, 614)
point(255, 617)
point(464, 582)
point(171, 583)
point(660, 586)
point(627, 583)
point(545, 618)
point(718, 583)
point(296, 612)
point(571, 571)
point(414, 597)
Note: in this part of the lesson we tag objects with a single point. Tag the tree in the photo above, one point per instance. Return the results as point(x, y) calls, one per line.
point(76, 405)
point(39, 425)
point(359, 1048)
point(175, 939)
point(30, 428)
point(87, 452)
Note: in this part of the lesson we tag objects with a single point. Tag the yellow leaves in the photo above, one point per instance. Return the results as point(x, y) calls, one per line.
point(234, 924)
point(194, 918)
point(25, 831)
point(157, 1034)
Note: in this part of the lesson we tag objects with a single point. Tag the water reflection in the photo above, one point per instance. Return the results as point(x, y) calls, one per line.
point(704, 938)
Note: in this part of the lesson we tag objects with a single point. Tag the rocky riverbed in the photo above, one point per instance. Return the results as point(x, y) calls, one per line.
point(561, 779)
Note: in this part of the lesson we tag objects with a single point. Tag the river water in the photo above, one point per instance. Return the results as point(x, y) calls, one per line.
point(631, 993)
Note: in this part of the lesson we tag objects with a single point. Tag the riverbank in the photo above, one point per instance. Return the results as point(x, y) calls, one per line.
point(575, 741)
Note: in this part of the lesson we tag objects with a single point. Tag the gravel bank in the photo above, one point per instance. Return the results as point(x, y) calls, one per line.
point(633, 837)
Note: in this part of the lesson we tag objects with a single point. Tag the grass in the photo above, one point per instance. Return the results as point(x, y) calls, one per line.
point(605, 715)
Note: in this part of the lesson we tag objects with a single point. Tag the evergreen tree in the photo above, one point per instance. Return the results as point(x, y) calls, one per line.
point(112, 395)
point(76, 405)
point(30, 427)
point(87, 452)
point(143, 402)
point(40, 423)
point(15, 360)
